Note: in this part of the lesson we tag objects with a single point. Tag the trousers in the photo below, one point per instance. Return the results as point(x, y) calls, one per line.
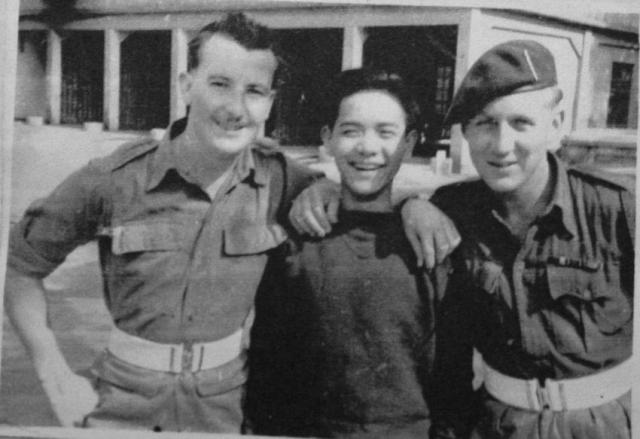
point(132, 397)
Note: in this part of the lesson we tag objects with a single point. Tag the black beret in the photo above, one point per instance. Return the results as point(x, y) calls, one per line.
point(512, 67)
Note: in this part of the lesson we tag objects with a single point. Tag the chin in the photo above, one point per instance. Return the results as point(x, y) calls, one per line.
point(233, 145)
point(502, 186)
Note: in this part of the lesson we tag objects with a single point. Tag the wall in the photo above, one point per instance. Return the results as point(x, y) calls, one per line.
point(31, 87)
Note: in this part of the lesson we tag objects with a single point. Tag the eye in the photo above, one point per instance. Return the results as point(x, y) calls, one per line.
point(349, 132)
point(485, 122)
point(217, 83)
point(387, 134)
point(522, 123)
point(258, 91)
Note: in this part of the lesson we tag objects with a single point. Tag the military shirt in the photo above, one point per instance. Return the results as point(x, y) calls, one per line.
point(177, 265)
point(558, 305)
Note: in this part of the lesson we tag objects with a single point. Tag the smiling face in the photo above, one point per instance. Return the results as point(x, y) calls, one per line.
point(369, 141)
point(509, 140)
point(229, 94)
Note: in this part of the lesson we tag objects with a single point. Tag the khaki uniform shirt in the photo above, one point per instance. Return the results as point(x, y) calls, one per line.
point(559, 304)
point(177, 265)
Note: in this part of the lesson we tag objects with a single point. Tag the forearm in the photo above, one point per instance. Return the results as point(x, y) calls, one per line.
point(26, 308)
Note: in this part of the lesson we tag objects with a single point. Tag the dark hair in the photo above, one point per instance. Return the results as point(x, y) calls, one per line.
point(350, 82)
point(246, 32)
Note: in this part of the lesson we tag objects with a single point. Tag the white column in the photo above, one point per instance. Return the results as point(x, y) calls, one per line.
point(353, 47)
point(111, 100)
point(8, 54)
point(469, 48)
point(54, 76)
point(179, 53)
point(583, 102)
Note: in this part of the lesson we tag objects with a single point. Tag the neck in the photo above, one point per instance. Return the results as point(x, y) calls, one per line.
point(380, 202)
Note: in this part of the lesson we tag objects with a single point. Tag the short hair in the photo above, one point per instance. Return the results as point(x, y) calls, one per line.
point(350, 82)
point(246, 32)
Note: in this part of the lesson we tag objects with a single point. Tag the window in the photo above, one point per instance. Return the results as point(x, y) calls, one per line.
point(620, 95)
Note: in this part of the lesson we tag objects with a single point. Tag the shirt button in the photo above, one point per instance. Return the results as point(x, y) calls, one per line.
point(510, 342)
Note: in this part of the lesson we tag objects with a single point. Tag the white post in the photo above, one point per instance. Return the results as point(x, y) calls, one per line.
point(111, 100)
point(353, 47)
point(584, 97)
point(470, 33)
point(179, 52)
point(8, 54)
point(54, 76)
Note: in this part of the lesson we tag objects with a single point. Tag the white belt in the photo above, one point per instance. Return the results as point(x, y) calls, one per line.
point(560, 395)
point(175, 358)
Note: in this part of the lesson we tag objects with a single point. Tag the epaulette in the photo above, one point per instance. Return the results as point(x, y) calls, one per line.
point(267, 146)
point(598, 176)
point(128, 151)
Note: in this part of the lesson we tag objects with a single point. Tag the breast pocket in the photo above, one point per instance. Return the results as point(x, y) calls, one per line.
point(589, 306)
point(151, 248)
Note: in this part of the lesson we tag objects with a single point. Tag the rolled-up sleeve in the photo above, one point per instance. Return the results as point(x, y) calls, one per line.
point(298, 177)
point(53, 226)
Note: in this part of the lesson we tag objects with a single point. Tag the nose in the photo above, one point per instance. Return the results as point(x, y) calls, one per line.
point(367, 145)
point(503, 141)
point(236, 106)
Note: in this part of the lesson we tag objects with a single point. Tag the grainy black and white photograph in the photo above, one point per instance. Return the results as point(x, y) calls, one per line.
point(329, 219)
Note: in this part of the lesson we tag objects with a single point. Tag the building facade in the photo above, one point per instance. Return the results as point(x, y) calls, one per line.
point(118, 61)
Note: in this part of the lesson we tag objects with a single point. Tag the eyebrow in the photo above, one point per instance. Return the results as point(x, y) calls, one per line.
point(210, 77)
point(388, 124)
point(378, 124)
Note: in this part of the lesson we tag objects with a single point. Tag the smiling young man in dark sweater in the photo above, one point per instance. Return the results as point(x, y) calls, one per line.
point(344, 338)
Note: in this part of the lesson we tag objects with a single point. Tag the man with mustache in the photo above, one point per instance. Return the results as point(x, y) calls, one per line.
point(183, 229)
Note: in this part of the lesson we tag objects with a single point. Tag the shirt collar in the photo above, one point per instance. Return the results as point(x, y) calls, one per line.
point(560, 209)
point(167, 159)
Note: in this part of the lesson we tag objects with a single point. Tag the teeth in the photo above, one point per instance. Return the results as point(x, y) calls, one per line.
point(363, 167)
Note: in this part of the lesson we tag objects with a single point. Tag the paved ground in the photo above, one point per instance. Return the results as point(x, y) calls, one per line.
point(42, 157)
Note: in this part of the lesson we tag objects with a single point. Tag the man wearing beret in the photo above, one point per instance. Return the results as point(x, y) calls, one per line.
point(542, 285)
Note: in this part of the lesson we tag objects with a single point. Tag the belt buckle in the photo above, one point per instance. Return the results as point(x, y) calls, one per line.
point(549, 396)
point(543, 397)
point(187, 356)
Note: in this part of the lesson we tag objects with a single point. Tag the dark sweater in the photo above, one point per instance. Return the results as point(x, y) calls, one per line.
point(343, 340)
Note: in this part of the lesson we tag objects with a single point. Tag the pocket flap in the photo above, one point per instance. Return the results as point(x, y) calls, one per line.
point(222, 379)
point(128, 377)
point(252, 239)
point(580, 283)
point(163, 236)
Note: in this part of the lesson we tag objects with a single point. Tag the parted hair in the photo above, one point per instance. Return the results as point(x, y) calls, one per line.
point(246, 32)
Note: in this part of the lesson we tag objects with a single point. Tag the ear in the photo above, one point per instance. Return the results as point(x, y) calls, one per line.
point(410, 139)
point(555, 133)
point(272, 98)
point(558, 119)
point(325, 135)
point(186, 82)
